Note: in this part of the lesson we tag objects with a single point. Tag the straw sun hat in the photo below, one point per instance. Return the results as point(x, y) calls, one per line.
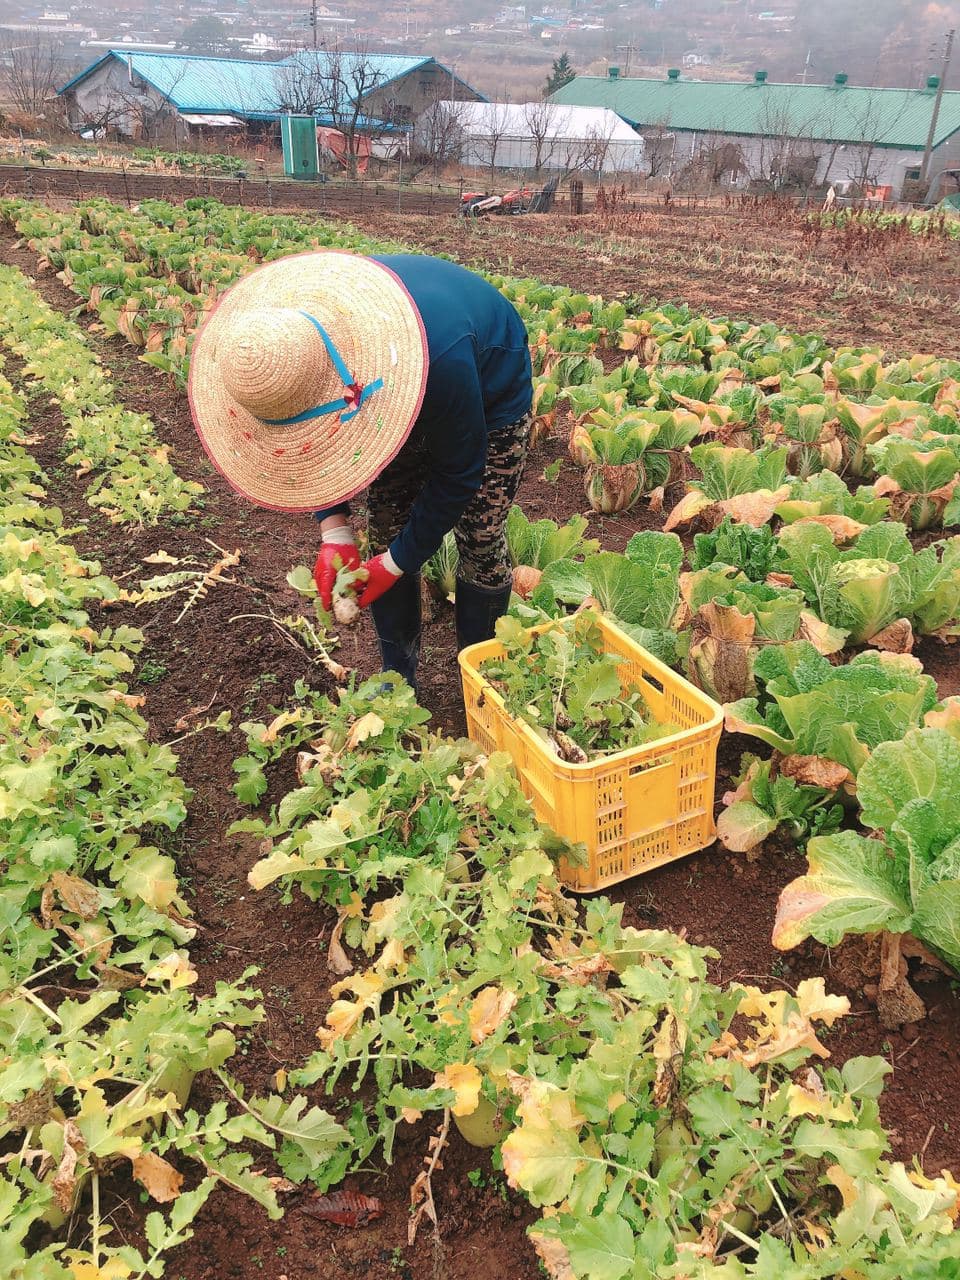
point(307, 377)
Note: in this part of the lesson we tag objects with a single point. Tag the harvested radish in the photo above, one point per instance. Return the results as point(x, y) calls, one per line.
point(345, 588)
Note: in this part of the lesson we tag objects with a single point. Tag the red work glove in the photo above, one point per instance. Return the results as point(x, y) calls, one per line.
point(382, 574)
point(333, 556)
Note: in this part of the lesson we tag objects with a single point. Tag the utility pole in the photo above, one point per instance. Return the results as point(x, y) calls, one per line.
point(628, 49)
point(928, 150)
point(806, 67)
point(313, 20)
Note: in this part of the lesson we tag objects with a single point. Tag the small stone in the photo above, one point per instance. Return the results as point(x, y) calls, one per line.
point(910, 1031)
point(871, 990)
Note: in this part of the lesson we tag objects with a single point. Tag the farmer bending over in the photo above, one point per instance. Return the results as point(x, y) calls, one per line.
point(327, 373)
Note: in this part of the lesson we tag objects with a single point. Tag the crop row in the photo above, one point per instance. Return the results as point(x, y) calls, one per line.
point(134, 481)
point(101, 1035)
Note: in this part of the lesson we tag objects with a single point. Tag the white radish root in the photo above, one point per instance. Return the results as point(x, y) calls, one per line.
point(346, 610)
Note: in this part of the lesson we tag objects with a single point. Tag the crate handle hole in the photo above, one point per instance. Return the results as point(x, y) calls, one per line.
point(652, 680)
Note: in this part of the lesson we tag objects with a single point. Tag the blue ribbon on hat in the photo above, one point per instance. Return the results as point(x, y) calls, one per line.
point(348, 406)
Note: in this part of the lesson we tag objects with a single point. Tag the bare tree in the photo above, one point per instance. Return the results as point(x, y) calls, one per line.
point(541, 121)
point(31, 67)
point(331, 85)
point(438, 136)
point(870, 126)
point(140, 111)
point(596, 147)
point(495, 124)
point(659, 148)
point(786, 150)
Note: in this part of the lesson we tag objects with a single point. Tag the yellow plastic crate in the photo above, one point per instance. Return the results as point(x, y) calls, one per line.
point(634, 810)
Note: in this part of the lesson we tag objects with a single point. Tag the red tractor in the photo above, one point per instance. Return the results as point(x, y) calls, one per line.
point(477, 204)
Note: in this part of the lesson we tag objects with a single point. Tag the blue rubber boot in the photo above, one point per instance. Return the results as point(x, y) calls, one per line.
point(477, 610)
point(396, 618)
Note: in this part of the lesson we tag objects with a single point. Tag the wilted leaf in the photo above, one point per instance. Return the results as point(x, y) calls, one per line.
point(65, 1180)
point(280, 722)
point(337, 958)
point(542, 1156)
point(815, 771)
point(668, 1047)
point(743, 826)
point(842, 528)
point(895, 638)
point(368, 726)
point(692, 504)
point(159, 1177)
point(487, 1010)
point(346, 1208)
point(553, 1255)
point(755, 508)
point(77, 895)
point(343, 1015)
point(824, 638)
point(465, 1081)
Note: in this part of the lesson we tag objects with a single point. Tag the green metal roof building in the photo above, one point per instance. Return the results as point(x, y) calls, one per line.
point(844, 132)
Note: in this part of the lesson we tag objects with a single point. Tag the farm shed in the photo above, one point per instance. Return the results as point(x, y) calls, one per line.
point(784, 134)
point(153, 94)
point(543, 135)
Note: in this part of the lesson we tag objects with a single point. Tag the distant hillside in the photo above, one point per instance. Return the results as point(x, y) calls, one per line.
point(881, 42)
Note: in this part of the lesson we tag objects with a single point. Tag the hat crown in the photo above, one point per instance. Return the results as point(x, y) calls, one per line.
point(274, 363)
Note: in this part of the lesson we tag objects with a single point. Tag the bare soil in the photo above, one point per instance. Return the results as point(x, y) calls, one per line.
point(758, 261)
point(214, 657)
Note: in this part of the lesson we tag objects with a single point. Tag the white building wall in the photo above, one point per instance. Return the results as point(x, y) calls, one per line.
point(561, 154)
point(107, 96)
point(880, 166)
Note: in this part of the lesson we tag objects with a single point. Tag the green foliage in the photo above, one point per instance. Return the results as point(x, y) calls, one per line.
point(561, 73)
point(658, 1115)
point(754, 552)
point(904, 879)
point(101, 1034)
point(541, 543)
point(811, 708)
point(562, 683)
point(134, 481)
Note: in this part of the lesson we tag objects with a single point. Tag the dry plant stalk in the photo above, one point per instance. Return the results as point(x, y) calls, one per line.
point(421, 1192)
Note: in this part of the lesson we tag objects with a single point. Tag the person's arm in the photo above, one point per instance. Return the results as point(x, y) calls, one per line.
point(456, 442)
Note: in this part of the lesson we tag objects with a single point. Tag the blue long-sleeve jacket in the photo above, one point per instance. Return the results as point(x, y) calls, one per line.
point(478, 382)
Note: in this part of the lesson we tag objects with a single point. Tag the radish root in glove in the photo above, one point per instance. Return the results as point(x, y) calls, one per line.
point(345, 588)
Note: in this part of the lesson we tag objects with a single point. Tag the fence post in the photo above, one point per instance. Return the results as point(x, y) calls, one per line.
point(576, 195)
point(240, 192)
point(269, 193)
point(126, 185)
point(79, 186)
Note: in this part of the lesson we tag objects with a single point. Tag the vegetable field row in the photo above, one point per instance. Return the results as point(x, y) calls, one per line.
point(666, 1125)
point(101, 1033)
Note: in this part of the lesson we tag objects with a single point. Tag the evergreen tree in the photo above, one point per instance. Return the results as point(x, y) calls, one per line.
point(561, 73)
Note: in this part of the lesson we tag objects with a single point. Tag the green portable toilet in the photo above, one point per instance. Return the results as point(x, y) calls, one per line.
point(301, 158)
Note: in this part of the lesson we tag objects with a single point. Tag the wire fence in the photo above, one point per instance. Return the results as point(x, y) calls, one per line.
point(129, 187)
point(344, 196)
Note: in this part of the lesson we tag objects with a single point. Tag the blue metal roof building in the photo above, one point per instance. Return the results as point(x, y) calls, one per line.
point(240, 89)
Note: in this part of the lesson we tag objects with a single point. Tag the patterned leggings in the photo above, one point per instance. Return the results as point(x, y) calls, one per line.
point(480, 534)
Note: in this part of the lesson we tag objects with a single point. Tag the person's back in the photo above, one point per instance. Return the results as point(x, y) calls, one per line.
point(467, 322)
